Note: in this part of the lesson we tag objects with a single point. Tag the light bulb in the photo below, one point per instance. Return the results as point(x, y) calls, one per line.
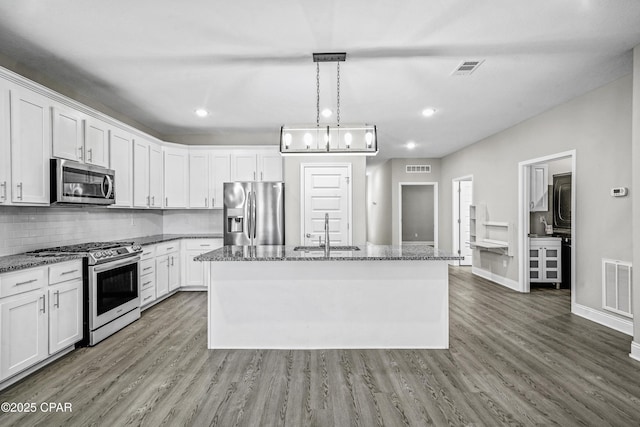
point(201, 112)
point(411, 145)
point(287, 139)
point(307, 139)
point(428, 112)
point(369, 138)
point(347, 139)
point(326, 113)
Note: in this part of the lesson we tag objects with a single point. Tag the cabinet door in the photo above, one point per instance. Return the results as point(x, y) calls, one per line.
point(23, 332)
point(199, 179)
point(30, 147)
point(155, 175)
point(535, 263)
point(174, 271)
point(162, 275)
point(67, 134)
point(243, 167)
point(194, 269)
point(5, 151)
point(551, 265)
point(65, 315)
point(96, 142)
point(121, 161)
point(175, 178)
point(220, 173)
point(539, 189)
point(270, 166)
point(141, 198)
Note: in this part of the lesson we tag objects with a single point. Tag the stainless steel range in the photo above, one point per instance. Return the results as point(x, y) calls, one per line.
point(112, 276)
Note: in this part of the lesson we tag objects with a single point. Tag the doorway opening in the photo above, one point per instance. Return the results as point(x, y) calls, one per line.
point(418, 213)
point(462, 200)
point(546, 215)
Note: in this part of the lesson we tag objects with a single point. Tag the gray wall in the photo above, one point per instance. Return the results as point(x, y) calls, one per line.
point(417, 213)
point(598, 126)
point(292, 202)
point(379, 204)
point(636, 200)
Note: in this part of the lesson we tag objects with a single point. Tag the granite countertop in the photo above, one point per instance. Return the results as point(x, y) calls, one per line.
point(28, 260)
point(22, 261)
point(366, 253)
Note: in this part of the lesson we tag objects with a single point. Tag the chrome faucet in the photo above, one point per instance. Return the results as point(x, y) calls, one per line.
point(326, 234)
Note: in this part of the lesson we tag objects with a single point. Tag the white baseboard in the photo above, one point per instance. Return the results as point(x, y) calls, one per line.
point(635, 351)
point(605, 319)
point(500, 280)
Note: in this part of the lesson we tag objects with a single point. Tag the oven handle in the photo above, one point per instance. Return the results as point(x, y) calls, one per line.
point(115, 264)
point(108, 183)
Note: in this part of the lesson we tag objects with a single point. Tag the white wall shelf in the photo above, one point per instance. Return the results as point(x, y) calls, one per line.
point(492, 236)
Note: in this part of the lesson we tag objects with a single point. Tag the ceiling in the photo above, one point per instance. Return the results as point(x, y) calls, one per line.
point(249, 62)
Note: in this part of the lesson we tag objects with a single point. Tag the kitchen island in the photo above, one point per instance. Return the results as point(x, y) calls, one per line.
point(281, 297)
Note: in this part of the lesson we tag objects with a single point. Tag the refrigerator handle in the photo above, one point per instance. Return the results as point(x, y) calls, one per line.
point(255, 214)
point(249, 217)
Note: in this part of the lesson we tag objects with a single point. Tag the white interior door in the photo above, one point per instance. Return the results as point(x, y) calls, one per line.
point(327, 189)
point(466, 196)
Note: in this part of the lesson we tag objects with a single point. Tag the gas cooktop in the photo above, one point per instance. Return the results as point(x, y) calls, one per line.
point(96, 252)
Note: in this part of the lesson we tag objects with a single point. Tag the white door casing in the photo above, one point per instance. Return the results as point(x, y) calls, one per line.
point(326, 188)
point(435, 210)
point(462, 198)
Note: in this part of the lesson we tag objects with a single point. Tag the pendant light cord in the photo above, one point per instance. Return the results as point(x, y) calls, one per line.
point(338, 85)
point(317, 94)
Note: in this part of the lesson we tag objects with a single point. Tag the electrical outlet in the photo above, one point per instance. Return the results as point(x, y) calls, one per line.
point(133, 220)
point(415, 235)
point(504, 263)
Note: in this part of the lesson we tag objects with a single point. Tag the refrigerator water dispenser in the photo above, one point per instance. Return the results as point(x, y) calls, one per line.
point(235, 224)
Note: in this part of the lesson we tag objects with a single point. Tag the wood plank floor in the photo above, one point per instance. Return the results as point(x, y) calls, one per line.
point(514, 359)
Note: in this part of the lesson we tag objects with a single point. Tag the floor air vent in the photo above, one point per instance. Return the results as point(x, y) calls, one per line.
point(466, 68)
point(418, 169)
point(616, 287)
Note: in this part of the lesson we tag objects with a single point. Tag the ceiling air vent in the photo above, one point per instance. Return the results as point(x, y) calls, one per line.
point(418, 169)
point(466, 68)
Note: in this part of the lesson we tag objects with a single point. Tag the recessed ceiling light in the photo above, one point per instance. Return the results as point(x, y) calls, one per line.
point(201, 112)
point(428, 112)
point(411, 145)
point(327, 112)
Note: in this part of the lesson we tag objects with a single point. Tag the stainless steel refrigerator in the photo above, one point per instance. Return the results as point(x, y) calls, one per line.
point(253, 213)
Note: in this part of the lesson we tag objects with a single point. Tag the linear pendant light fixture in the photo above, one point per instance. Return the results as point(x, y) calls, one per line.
point(328, 139)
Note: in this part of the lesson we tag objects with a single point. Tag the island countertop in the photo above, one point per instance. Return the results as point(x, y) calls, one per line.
point(364, 253)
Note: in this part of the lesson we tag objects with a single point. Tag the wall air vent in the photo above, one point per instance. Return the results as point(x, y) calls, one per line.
point(418, 169)
point(616, 287)
point(466, 68)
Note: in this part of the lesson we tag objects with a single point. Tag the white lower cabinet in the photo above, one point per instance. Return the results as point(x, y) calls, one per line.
point(195, 270)
point(41, 313)
point(167, 267)
point(545, 260)
point(147, 276)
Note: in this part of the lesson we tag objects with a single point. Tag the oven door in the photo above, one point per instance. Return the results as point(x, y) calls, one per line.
point(113, 290)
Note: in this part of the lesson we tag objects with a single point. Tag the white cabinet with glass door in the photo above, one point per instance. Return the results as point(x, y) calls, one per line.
point(30, 146)
point(545, 260)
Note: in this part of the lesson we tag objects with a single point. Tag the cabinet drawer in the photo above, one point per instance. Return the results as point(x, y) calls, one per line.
point(147, 296)
point(147, 266)
point(66, 271)
point(147, 282)
point(204, 245)
point(148, 252)
point(166, 248)
point(22, 281)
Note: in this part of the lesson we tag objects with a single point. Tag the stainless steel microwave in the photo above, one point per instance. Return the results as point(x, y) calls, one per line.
point(78, 183)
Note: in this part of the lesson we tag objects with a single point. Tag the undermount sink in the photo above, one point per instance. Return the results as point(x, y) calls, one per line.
point(321, 248)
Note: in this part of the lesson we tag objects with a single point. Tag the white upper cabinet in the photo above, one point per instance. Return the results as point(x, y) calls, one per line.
point(261, 164)
point(155, 175)
point(30, 147)
point(121, 161)
point(199, 179)
point(141, 198)
point(67, 133)
point(220, 167)
point(176, 177)
point(96, 142)
point(5, 151)
point(539, 191)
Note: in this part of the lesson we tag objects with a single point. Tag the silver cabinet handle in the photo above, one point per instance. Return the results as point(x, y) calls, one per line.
point(90, 153)
point(206, 202)
point(4, 192)
point(68, 272)
point(308, 234)
point(80, 154)
point(261, 176)
point(213, 201)
point(172, 261)
point(148, 201)
point(57, 303)
point(149, 297)
point(205, 245)
point(153, 200)
point(169, 248)
point(166, 201)
point(26, 283)
point(254, 176)
point(147, 268)
point(20, 188)
point(146, 283)
point(44, 307)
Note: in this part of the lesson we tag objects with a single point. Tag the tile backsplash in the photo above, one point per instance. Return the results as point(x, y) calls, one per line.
point(27, 228)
